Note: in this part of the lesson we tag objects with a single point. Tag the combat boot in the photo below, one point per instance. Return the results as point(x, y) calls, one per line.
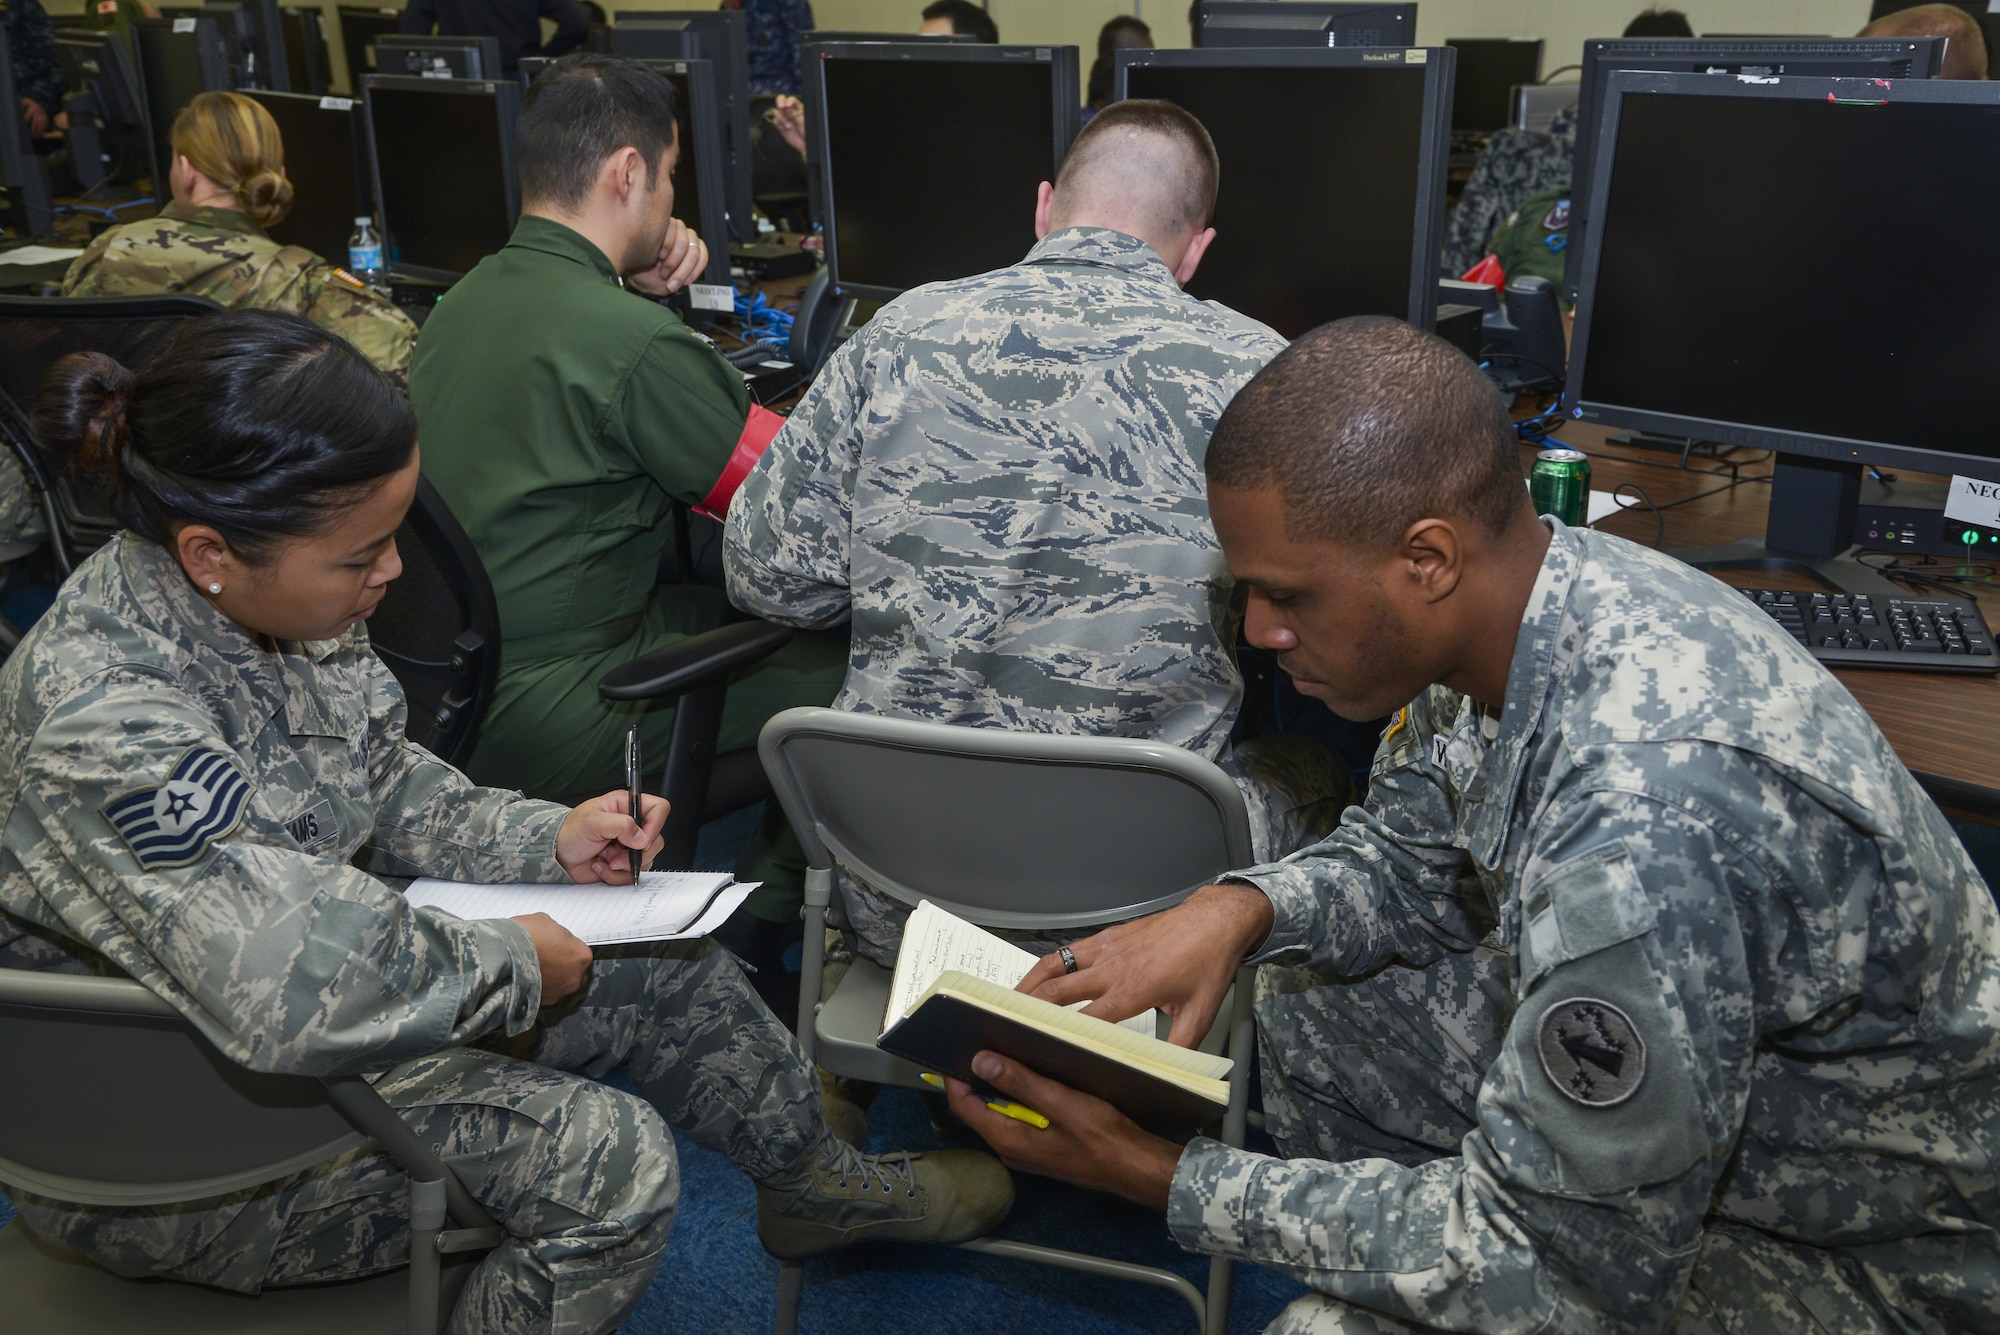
point(837, 1196)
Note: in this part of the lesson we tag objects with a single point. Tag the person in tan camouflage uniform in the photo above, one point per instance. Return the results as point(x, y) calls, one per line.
point(228, 181)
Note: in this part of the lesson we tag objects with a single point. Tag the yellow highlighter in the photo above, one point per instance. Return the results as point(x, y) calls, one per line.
point(1020, 1112)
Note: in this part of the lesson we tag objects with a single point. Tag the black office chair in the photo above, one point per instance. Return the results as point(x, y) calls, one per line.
point(438, 629)
point(35, 332)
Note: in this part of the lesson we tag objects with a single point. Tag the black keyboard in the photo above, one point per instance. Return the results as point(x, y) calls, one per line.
point(1855, 630)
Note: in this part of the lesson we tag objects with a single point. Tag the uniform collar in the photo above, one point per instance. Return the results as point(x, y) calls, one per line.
point(552, 238)
point(228, 220)
point(1101, 245)
point(1542, 652)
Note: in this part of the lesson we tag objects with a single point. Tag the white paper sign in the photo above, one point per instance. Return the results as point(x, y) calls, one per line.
point(1973, 501)
point(712, 296)
point(336, 104)
point(183, 25)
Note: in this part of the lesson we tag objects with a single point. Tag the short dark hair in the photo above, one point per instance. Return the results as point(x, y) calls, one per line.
point(1660, 21)
point(581, 110)
point(1366, 426)
point(259, 424)
point(1107, 36)
point(967, 19)
point(1194, 196)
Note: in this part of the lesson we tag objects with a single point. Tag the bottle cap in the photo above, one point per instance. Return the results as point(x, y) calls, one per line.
point(364, 221)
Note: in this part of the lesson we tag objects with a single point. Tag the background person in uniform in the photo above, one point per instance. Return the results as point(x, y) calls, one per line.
point(1123, 33)
point(31, 47)
point(1646, 992)
point(515, 24)
point(563, 416)
point(228, 181)
point(772, 29)
point(999, 481)
point(1659, 21)
point(206, 775)
point(946, 17)
point(1965, 55)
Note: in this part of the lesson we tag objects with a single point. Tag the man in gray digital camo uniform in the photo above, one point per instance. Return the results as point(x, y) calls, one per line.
point(1646, 992)
point(1515, 165)
point(1000, 480)
point(134, 708)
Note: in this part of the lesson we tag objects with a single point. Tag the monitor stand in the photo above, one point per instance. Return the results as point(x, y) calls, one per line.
point(1810, 530)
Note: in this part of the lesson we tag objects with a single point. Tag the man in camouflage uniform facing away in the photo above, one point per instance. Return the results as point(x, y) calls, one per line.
point(1515, 165)
point(1000, 480)
point(1646, 992)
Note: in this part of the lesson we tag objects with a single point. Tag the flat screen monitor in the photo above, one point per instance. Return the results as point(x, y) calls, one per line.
point(178, 58)
point(1884, 58)
point(445, 184)
point(306, 55)
point(1305, 23)
point(437, 57)
point(326, 160)
point(1712, 305)
point(360, 25)
point(1489, 69)
point(267, 40)
point(650, 37)
point(1351, 227)
point(928, 155)
point(101, 63)
point(724, 44)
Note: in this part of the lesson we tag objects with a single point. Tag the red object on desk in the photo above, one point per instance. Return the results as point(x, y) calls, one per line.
point(1487, 271)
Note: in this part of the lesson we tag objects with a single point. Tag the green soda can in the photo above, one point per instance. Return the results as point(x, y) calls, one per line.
point(1559, 485)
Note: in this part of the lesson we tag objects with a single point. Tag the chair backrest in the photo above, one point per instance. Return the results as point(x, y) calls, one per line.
point(438, 629)
point(1006, 829)
point(109, 1097)
point(35, 332)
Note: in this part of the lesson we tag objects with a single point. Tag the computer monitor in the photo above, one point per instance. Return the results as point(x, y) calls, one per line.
point(326, 159)
point(1872, 57)
point(1340, 212)
point(310, 65)
point(1757, 278)
point(928, 154)
point(30, 203)
point(1489, 69)
point(438, 57)
point(243, 25)
point(445, 182)
point(267, 37)
point(100, 63)
point(826, 36)
point(360, 25)
point(649, 37)
point(1305, 23)
point(725, 45)
point(178, 58)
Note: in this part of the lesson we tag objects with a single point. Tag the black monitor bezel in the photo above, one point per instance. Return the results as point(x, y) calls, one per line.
point(1065, 89)
point(707, 158)
point(364, 164)
point(1541, 59)
point(506, 94)
point(1334, 10)
point(482, 48)
point(1440, 64)
point(1922, 52)
point(350, 58)
point(211, 52)
point(1792, 87)
point(835, 36)
point(734, 66)
point(123, 60)
point(314, 51)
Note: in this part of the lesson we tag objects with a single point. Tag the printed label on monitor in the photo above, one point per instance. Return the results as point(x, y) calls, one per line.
point(1973, 501)
point(183, 25)
point(712, 296)
point(336, 104)
point(1416, 56)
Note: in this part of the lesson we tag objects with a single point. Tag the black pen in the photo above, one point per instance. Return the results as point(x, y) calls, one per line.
point(632, 789)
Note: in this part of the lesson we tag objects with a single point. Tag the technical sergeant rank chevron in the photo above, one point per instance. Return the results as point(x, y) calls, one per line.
point(172, 825)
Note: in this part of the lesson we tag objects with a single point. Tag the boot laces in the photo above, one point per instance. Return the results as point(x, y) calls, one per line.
point(891, 1170)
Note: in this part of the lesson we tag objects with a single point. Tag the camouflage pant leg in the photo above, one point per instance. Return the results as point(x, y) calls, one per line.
point(1295, 789)
point(1317, 1314)
point(702, 1047)
point(22, 524)
point(1747, 1283)
point(1385, 1066)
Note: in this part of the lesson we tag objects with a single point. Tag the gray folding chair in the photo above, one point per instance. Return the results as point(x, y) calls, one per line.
point(109, 1097)
point(1013, 831)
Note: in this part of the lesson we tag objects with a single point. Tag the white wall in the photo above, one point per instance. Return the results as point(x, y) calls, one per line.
point(1563, 24)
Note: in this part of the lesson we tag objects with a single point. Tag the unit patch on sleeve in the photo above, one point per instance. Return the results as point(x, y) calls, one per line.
point(173, 825)
point(1591, 1052)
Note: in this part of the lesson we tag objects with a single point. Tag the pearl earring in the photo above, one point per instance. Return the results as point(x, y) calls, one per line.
point(215, 588)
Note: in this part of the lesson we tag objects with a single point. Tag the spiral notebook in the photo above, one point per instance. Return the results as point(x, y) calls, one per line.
point(663, 906)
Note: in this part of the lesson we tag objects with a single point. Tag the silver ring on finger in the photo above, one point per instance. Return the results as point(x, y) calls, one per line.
point(1069, 960)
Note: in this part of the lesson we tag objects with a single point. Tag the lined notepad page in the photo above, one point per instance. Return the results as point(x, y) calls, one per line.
point(664, 906)
point(934, 941)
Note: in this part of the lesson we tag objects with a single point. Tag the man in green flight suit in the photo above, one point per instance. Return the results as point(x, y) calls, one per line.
point(1535, 237)
point(562, 414)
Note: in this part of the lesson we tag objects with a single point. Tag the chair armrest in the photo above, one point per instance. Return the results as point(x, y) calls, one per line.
point(700, 660)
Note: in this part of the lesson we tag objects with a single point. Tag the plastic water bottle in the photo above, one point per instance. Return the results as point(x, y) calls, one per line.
point(364, 254)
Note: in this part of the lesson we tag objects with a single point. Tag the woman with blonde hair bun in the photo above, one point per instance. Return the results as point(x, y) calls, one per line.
point(228, 183)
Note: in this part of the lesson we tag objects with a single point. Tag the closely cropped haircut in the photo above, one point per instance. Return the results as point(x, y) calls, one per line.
point(1185, 201)
point(1965, 54)
point(967, 19)
point(1660, 21)
point(580, 111)
point(1366, 426)
point(258, 424)
point(1107, 36)
point(232, 140)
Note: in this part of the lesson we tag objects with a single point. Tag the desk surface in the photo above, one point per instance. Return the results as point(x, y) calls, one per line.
point(1946, 728)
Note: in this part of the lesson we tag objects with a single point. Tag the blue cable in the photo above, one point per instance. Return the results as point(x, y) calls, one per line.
point(763, 322)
